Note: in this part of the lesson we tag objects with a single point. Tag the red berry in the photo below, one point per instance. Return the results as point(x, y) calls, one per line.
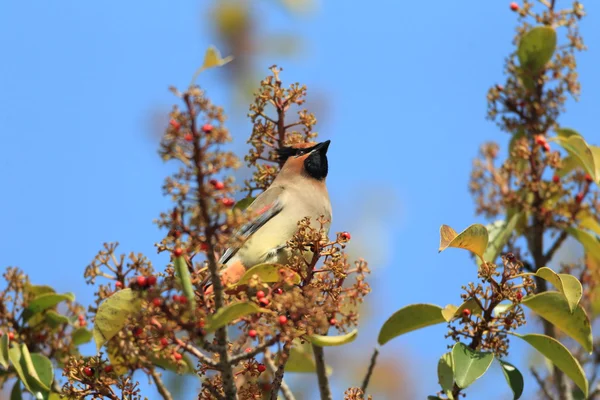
point(519, 295)
point(466, 313)
point(175, 124)
point(151, 280)
point(282, 319)
point(87, 371)
point(264, 301)
point(119, 284)
point(157, 301)
point(182, 299)
point(108, 369)
point(540, 140)
point(579, 197)
point(260, 294)
point(510, 257)
point(137, 331)
point(141, 280)
point(176, 298)
point(176, 234)
point(217, 184)
point(546, 147)
point(556, 179)
point(188, 137)
point(203, 246)
point(164, 342)
point(514, 6)
point(82, 323)
point(207, 128)
point(345, 236)
point(588, 178)
point(508, 322)
point(261, 368)
point(227, 201)
point(11, 336)
point(177, 356)
point(252, 333)
point(278, 290)
point(178, 252)
point(333, 322)
point(248, 350)
point(201, 324)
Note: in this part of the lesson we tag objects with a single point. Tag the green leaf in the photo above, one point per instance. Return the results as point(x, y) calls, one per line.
point(560, 356)
point(36, 290)
point(15, 393)
point(81, 336)
point(596, 153)
point(408, 319)
point(4, 350)
point(243, 203)
point(445, 374)
point(43, 368)
point(474, 239)
point(301, 359)
point(590, 244)
point(26, 365)
point(469, 365)
point(536, 48)
point(44, 302)
point(567, 284)
point(513, 378)
point(578, 149)
point(55, 319)
point(269, 273)
point(230, 313)
point(183, 273)
point(499, 233)
point(588, 221)
point(553, 307)
point(183, 366)
point(569, 163)
point(113, 313)
point(325, 341)
point(212, 58)
point(451, 312)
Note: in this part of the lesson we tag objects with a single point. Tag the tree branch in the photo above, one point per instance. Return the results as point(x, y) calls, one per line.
point(278, 382)
point(257, 350)
point(542, 384)
point(162, 389)
point(322, 373)
point(365, 383)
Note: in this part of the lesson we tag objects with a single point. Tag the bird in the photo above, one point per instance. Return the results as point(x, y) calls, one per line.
point(298, 191)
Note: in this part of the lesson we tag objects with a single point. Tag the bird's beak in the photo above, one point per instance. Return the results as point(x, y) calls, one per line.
point(322, 147)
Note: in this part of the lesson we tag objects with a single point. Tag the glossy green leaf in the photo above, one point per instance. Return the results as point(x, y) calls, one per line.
point(81, 336)
point(474, 239)
point(513, 378)
point(16, 393)
point(55, 319)
point(243, 203)
point(588, 221)
point(43, 368)
point(44, 302)
point(4, 350)
point(567, 284)
point(230, 313)
point(113, 314)
point(536, 48)
point(499, 233)
point(469, 365)
point(553, 307)
point(590, 244)
point(568, 164)
point(560, 356)
point(451, 312)
point(326, 341)
point(25, 366)
point(269, 273)
point(577, 147)
point(185, 278)
point(408, 319)
point(445, 374)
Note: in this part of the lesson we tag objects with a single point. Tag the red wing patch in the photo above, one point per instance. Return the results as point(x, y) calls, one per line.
point(264, 209)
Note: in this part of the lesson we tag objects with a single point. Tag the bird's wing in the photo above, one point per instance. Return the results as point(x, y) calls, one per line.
point(267, 205)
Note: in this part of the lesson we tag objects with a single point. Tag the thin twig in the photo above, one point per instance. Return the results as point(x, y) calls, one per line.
point(278, 382)
point(365, 383)
point(162, 389)
point(322, 373)
point(197, 353)
point(257, 350)
point(542, 384)
point(213, 390)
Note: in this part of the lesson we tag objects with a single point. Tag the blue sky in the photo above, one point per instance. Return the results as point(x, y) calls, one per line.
point(405, 85)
